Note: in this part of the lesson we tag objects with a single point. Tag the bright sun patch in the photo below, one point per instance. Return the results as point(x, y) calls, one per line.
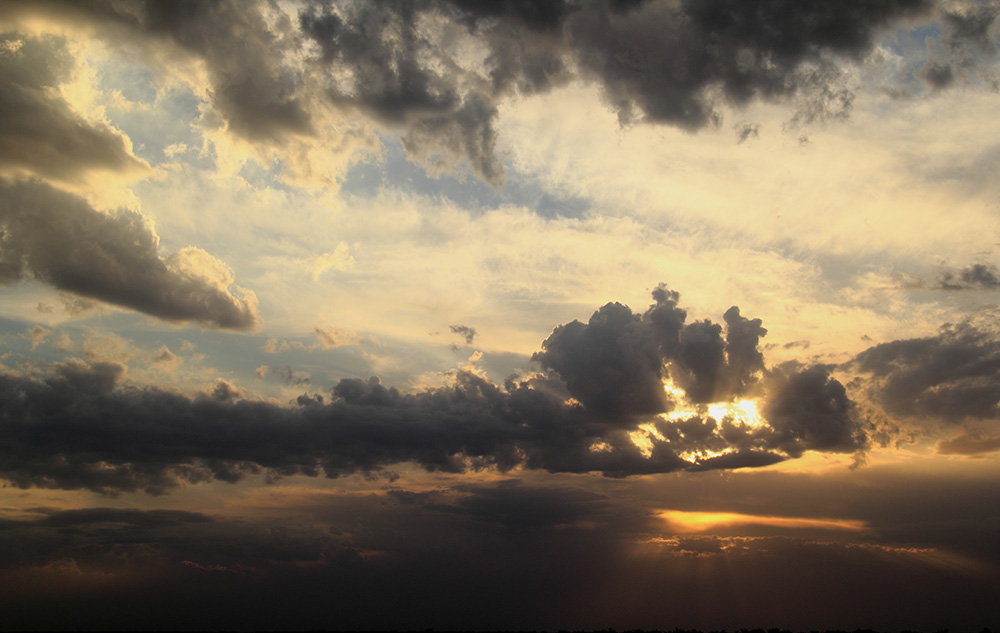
point(741, 412)
point(704, 521)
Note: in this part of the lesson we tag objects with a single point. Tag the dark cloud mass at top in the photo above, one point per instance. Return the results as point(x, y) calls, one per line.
point(404, 65)
point(81, 426)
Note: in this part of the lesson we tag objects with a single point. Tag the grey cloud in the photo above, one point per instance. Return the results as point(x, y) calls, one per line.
point(965, 48)
point(612, 364)
point(976, 276)
point(42, 135)
point(809, 410)
point(938, 75)
point(396, 63)
point(951, 377)
point(616, 364)
point(98, 378)
point(656, 61)
point(661, 61)
point(81, 427)
point(57, 238)
point(255, 93)
point(466, 332)
point(286, 375)
point(746, 131)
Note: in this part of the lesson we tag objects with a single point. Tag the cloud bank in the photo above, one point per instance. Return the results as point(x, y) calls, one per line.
point(604, 402)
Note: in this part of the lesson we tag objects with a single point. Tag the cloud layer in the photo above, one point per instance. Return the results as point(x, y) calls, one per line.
point(80, 426)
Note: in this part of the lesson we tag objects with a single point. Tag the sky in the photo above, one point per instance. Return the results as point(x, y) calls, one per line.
point(513, 315)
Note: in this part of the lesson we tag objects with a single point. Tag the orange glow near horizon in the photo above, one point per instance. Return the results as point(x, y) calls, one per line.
point(704, 521)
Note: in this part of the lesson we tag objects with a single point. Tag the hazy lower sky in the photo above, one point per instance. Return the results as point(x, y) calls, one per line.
point(499, 315)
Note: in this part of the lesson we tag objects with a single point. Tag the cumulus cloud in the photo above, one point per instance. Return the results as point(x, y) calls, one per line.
point(600, 406)
point(58, 239)
point(809, 410)
point(617, 363)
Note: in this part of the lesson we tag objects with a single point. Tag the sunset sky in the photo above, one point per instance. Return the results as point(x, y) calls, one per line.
point(499, 315)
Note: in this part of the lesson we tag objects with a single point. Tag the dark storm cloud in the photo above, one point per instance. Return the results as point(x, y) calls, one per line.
point(57, 238)
point(81, 427)
point(952, 377)
point(466, 332)
point(658, 61)
point(41, 134)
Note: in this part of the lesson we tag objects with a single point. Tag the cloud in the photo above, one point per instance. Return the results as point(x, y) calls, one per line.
point(809, 410)
point(43, 136)
point(286, 376)
point(136, 519)
point(617, 363)
point(969, 444)
point(438, 71)
point(36, 335)
point(974, 277)
point(965, 48)
point(330, 337)
point(57, 238)
point(339, 259)
point(468, 333)
point(952, 377)
point(602, 406)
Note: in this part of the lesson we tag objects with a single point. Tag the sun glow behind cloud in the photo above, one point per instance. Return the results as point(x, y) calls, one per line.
point(740, 413)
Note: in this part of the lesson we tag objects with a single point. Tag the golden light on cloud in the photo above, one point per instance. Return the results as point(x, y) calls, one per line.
point(741, 412)
point(682, 521)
